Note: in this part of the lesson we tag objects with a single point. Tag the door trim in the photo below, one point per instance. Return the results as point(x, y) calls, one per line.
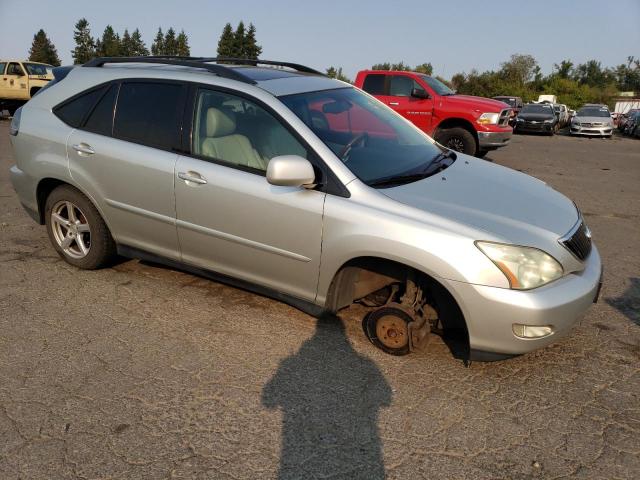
point(140, 211)
point(242, 241)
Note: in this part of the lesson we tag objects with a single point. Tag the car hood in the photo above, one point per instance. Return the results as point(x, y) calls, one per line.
point(482, 105)
point(505, 203)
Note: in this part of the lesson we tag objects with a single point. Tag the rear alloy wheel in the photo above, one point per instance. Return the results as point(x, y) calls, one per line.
point(390, 328)
point(457, 139)
point(76, 229)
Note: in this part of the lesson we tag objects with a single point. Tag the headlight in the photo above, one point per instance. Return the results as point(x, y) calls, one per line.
point(576, 123)
point(488, 118)
point(524, 267)
point(548, 121)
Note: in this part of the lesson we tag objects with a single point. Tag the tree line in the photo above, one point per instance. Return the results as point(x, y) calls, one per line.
point(574, 84)
point(238, 43)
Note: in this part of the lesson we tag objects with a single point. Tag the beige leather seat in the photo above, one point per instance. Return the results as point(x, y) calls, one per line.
point(223, 143)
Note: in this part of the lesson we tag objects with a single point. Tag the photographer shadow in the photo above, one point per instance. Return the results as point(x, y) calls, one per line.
point(330, 397)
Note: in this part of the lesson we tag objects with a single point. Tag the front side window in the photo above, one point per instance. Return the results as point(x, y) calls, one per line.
point(401, 86)
point(374, 142)
point(150, 113)
point(15, 69)
point(239, 132)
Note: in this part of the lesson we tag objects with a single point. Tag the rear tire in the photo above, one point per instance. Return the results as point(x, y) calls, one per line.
point(77, 231)
point(458, 139)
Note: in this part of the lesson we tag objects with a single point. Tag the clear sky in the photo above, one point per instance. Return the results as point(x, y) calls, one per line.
point(454, 35)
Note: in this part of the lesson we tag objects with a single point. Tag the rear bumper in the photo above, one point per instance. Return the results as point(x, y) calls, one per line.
point(25, 187)
point(491, 312)
point(493, 140)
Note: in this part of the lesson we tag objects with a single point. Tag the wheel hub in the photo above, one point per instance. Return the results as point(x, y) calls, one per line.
point(392, 331)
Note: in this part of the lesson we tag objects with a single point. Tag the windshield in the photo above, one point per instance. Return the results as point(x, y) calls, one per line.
point(544, 109)
point(37, 68)
point(439, 87)
point(373, 141)
point(509, 101)
point(593, 112)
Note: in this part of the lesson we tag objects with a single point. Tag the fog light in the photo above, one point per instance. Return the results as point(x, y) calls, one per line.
point(532, 331)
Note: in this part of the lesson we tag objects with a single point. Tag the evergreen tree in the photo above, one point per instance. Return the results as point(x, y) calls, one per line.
point(42, 50)
point(109, 45)
point(333, 72)
point(239, 41)
point(85, 46)
point(126, 46)
point(182, 42)
point(226, 44)
point(170, 42)
point(138, 48)
point(157, 47)
point(251, 47)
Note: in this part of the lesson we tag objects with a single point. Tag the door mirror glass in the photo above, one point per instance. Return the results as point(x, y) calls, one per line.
point(290, 171)
point(419, 93)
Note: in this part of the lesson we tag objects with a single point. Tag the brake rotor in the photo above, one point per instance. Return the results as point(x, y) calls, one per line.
point(392, 331)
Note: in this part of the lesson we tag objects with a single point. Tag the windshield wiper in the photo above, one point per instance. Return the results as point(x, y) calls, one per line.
point(434, 166)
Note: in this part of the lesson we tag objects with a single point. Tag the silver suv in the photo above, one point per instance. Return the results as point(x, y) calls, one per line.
point(293, 185)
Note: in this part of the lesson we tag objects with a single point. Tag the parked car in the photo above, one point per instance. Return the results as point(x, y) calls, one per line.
point(515, 103)
point(624, 118)
point(297, 186)
point(472, 125)
point(592, 119)
point(632, 126)
point(19, 81)
point(537, 117)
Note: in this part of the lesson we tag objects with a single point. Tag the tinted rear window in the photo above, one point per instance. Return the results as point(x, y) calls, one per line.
point(74, 111)
point(374, 84)
point(101, 119)
point(149, 113)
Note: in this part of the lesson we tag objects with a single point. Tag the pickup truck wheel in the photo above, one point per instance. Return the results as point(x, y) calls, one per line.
point(457, 139)
point(76, 229)
point(388, 329)
point(482, 153)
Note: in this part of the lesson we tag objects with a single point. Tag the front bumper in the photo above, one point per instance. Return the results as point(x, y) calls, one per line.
point(493, 140)
point(596, 131)
point(490, 312)
point(534, 127)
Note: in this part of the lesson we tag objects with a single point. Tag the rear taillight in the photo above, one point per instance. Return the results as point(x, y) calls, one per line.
point(15, 122)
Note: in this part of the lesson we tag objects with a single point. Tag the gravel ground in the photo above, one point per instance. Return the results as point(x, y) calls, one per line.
point(139, 371)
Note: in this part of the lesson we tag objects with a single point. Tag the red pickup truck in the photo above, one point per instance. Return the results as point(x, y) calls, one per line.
point(472, 125)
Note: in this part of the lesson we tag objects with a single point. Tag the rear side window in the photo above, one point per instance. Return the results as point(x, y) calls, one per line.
point(74, 111)
point(374, 84)
point(101, 118)
point(149, 113)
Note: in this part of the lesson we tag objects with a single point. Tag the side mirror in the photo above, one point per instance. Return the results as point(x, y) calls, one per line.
point(419, 93)
point(291, 171)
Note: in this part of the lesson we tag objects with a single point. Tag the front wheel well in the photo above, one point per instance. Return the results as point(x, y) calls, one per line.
point(45, 187)
point(362, 276)
point(456, 122)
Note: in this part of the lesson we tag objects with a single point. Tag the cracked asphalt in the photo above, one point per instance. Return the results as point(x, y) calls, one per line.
point(143, 372)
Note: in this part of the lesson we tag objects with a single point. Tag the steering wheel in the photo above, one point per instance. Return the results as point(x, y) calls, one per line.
point(362, 138)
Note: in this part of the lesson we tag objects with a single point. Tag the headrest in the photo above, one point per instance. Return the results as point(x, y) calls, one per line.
point(220, 123)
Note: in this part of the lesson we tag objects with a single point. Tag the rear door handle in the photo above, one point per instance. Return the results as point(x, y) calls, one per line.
point(83, 149)
point(395, 104)
point(193, 177)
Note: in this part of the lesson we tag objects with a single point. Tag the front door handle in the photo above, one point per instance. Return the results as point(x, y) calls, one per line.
point(395, 104)
point(83, 149)
point(193, 177)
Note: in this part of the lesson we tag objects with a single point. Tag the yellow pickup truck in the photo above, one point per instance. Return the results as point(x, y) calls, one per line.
point(20, 80)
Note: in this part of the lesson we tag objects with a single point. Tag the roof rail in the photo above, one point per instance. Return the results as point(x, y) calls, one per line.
point(192, 62)
point(206, 63)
